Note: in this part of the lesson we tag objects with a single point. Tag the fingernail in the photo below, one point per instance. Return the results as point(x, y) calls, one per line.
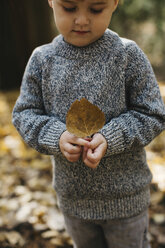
point(88, 139)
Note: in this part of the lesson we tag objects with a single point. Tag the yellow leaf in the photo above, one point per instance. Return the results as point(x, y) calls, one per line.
point(84, 119)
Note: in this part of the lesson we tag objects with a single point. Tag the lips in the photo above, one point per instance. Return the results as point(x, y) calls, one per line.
point(80, 32)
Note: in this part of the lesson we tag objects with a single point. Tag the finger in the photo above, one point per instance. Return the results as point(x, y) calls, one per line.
point(85, 148)
point(71, 157)
point(95, 142)
point(84, 153)
point(90, 164)
point(72, 149)
point(78, 141)
point(94, 155)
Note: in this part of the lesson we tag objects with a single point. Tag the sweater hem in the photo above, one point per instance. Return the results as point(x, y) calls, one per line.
point(101, 209)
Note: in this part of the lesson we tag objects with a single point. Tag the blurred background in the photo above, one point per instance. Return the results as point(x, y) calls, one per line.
point(29, 215)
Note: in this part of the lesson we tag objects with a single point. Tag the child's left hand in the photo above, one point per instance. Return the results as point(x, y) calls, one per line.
point(93, 155)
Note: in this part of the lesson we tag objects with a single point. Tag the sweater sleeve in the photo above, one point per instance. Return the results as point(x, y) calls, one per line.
point(39, 130)
point(145, 115)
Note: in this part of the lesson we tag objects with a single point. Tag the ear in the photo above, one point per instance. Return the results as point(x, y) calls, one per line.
point(50, 3)
point(115, 4)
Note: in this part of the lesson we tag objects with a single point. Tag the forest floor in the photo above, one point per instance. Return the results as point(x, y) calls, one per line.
point(29, 215)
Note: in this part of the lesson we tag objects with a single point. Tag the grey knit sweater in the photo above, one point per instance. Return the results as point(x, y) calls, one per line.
point(114, 74)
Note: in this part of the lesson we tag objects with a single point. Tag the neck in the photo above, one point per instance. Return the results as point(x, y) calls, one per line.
point(70, 51)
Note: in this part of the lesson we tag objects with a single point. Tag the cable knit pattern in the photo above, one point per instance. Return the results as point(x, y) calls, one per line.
point(114, 74)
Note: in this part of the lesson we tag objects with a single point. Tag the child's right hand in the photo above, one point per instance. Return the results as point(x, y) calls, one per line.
point(71, 146)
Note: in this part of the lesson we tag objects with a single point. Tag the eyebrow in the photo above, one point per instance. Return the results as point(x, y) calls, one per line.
point(99, 3)
point(67, 1)
point(94, 3)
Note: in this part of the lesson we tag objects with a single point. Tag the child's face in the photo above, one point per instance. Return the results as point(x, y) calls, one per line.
point(82, 22)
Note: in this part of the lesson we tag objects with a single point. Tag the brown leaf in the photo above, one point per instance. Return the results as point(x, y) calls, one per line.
point(84, 119)
point(13, 238)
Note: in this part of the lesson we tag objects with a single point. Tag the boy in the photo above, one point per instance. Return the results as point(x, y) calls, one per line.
point(102, 184)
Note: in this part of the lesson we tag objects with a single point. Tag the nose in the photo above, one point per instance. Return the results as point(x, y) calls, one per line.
point(82, 19)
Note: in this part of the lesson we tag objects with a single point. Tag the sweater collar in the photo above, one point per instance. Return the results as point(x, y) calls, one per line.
point(64, 49)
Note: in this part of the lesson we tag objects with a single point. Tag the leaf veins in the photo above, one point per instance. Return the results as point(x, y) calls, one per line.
point(84, 119)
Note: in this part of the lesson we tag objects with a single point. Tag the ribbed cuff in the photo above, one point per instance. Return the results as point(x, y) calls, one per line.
point(52, 137)
point(114, 137)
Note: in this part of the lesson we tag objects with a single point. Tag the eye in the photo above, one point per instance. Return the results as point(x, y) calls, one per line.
point(96, 11)
point(69, 9)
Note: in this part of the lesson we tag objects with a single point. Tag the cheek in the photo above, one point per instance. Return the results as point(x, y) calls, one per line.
point(103, 20)
point(62, 23)
point(101, 25)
